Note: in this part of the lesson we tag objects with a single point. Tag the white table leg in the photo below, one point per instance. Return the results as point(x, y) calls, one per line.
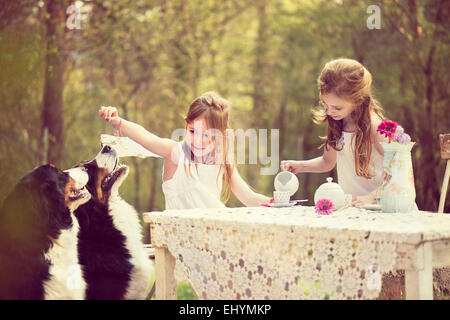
point(419, 282)
point(444, 187)
point(166, 285)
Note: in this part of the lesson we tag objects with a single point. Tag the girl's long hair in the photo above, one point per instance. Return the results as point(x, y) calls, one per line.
point(349, 80)
point(215, 110)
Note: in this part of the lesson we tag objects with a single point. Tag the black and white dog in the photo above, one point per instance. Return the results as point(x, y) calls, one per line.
point(111, 251)
point(38, 236)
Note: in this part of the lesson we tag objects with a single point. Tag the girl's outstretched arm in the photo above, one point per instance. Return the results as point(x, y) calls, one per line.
point(324, 163)
point(244, 193)
point(160, 146)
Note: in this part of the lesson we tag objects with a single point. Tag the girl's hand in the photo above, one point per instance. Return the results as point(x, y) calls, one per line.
point(268, 203)
point(362, 200)
point(111, 115)
point(291, 165)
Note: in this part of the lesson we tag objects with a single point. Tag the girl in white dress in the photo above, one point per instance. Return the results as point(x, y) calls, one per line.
point(352, 142)
point(196, 168)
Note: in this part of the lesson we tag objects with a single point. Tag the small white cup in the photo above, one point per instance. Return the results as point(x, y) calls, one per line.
point(348, 200)
point(281, 197)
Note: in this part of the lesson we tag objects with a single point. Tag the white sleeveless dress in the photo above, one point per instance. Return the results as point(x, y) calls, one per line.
point(202, 190)
point(347, 178)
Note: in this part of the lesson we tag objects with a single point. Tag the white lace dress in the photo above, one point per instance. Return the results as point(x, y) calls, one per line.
point(202, 190)
point(347, 178)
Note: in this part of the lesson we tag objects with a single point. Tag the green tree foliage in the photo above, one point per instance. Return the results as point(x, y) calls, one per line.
point(152, 58)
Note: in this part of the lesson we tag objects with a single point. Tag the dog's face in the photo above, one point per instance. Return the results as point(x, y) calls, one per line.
point(49, 182)
point(75, 189)
point(42, 203)
point(105, 174)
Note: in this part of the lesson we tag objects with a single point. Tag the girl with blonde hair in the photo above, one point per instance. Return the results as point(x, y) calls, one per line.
point(196, 167)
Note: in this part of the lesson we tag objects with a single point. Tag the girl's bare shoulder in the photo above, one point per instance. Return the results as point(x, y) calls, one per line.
point(375, 122)
point(175, 154)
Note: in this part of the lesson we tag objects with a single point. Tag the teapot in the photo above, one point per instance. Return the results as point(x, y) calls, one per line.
point(331, 191)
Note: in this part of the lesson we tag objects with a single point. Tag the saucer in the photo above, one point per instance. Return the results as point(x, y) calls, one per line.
point(286, 204)
point(372, 207)
point(281, 205)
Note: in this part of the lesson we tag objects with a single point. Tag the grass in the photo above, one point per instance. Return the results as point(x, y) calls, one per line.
point(184, 291)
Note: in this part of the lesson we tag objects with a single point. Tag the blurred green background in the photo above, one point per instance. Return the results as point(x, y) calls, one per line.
point(61, 60)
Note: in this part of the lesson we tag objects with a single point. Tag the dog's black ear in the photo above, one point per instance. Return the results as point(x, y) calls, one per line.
point(54, 207)
point(53, 192)
point(35, 210)
point(22, 217)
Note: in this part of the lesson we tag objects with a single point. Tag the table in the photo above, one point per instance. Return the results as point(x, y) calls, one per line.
point(294, 253)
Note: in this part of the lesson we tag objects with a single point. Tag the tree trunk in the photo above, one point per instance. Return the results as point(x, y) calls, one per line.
point(52, 121)
point(259, 82)
point(280, 122)
point(260, 63)
point(429, 139)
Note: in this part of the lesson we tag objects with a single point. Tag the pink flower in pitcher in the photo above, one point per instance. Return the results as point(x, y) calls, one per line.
point(387, 127)
point(324, 207)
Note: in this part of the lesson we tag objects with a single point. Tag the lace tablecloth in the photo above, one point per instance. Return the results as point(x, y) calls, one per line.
point(291, 253)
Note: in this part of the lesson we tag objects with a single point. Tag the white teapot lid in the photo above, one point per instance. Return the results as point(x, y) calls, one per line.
point(330, 186)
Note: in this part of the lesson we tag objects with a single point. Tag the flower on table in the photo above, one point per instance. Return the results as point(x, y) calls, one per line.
point(324, 207)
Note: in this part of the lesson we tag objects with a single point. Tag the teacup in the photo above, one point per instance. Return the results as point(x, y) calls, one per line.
point(348, 200)
point(281, 197)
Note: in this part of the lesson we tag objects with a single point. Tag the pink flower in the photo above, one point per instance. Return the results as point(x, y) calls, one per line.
point(387, 127)
point(324, 207)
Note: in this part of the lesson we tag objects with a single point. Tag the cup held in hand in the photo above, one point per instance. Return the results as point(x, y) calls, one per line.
point(286, 181)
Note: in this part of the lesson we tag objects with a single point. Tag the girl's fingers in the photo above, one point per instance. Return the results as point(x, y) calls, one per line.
point(103, 112)
point(356, 202)
point(113, 111)
point(285, 166)
point(107, 112)
point(289, 167)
